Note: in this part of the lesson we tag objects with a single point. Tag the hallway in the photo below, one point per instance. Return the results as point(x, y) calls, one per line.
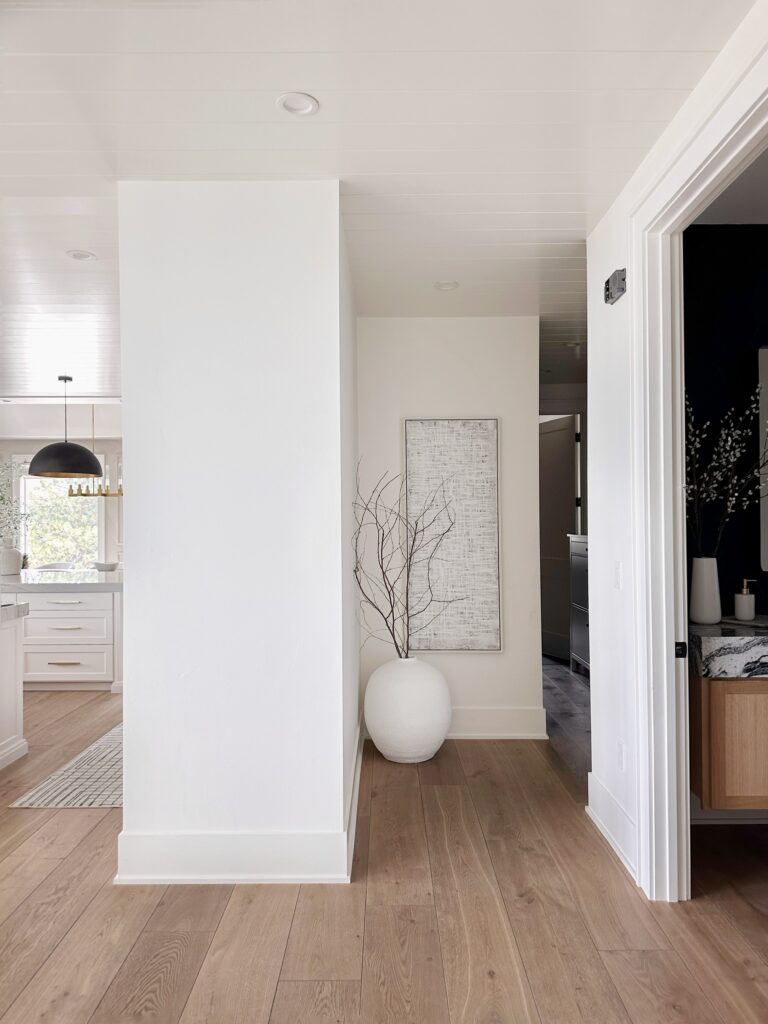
point(481, 893)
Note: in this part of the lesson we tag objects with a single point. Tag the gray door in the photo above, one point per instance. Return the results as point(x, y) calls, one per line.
point(557, 518)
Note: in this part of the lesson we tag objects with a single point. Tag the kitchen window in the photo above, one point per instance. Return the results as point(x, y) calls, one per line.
point(58, 528)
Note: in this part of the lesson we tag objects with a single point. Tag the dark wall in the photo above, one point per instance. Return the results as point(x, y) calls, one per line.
point(726, 322)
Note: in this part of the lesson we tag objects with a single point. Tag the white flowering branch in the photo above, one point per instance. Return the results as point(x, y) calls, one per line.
point(722, 472)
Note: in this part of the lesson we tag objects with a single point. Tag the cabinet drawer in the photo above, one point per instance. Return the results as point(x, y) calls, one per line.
point(580, 634)
point(83, 628)
point(68, 602)
point(579, 547)
point(84, 665)
point(580, 580)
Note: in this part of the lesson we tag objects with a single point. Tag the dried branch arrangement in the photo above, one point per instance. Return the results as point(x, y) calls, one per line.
point(395, 551)
point(724, 471)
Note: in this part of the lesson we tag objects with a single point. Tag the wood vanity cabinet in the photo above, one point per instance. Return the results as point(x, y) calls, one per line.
point(729, 742)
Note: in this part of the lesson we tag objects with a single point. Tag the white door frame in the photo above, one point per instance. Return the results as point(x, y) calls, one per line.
point(730, 139)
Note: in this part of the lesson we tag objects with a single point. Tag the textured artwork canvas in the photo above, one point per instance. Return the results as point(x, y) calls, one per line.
point(462, 455)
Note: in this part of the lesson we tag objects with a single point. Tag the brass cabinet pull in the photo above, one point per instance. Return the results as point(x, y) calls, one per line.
point(66, 627)
point(65, 663)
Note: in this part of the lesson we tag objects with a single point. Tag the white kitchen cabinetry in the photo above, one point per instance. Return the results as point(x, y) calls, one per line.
point(68, 640)
point(12, 742)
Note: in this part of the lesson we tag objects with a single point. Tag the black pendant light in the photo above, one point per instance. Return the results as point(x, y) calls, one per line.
point(65, 458)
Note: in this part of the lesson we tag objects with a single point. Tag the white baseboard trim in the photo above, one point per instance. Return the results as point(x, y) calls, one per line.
point(485, 723)
point(206, 858)
point(57, 687)
point(354, 794)
point(613, 822)
point(12, 750)
point(117, 686)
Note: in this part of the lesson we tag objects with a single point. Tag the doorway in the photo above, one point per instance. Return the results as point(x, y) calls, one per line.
point(700, 171)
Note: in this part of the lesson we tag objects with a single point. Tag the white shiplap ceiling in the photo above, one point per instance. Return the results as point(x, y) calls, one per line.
point(475, 142)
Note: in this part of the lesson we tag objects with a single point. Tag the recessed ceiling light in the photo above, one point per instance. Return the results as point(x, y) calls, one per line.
point(446, 286)
point(81, 255)
point(300, 103)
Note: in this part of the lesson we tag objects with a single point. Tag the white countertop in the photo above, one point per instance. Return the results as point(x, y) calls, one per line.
point(35, 581)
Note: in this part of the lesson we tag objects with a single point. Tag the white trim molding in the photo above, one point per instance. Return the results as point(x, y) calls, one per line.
point(613, 822)
point(243, 857)
point(720, 129)
point(12, 750)
point(203, 858)
point(483, 723)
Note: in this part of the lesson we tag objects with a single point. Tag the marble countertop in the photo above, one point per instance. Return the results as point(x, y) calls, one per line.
point(9, 612)
point(730, 649)
point(36, 581)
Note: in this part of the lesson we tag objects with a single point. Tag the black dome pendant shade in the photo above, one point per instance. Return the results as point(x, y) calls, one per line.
point(65, 458)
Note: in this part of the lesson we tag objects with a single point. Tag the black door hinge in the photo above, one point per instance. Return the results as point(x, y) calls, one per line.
point(577, 436)
point(681, 649)
point(578, 503)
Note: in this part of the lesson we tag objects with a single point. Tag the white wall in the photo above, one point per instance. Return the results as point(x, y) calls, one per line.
point(468, 367)
point(237, 713)
point(617, 585)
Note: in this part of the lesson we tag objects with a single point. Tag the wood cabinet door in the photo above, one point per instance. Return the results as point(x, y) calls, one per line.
point(739, 743)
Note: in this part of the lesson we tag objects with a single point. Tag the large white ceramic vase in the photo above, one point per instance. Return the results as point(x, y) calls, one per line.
point(407, 709)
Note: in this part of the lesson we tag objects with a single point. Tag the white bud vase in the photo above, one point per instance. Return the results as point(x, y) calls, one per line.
point(704, 605)
point(11, 560)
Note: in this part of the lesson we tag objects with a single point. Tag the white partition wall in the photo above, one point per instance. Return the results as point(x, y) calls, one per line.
point(241, 719)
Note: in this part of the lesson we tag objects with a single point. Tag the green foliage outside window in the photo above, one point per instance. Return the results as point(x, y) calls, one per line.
point(58, 528)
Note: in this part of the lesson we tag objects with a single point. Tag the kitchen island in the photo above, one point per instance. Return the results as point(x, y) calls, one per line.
point(72, 638)
point(12, 742)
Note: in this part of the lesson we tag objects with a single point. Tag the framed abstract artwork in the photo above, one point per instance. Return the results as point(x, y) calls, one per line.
point(461, 456)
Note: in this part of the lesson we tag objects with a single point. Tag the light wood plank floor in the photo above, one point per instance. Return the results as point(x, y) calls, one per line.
point(481, 894)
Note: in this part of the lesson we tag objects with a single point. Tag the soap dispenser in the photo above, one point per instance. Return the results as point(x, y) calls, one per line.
point(745, 603)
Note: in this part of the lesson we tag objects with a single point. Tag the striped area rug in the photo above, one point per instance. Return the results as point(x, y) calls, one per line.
point(92, 779)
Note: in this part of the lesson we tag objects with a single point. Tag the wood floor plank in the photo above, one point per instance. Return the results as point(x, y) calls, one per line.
point(575, 784)
point(238, 978)
point(617, 915)
point(657, 988)
point(317, 1002)
point(80, 730)
point(70, 984)
point(35, 928)
point(17, 824)
point(713, 885)
point(457, 850)
point(498, 800)
point(402, 970)
point(728, 969)
point(568, 978)
point(326, 938)
point(366, 780)
point(154, 982)
point(52, 708)
point(398, 861)
point(444, 769)
point(390, 773)
point(190, 908)
point(29, 865)
point(484, 972)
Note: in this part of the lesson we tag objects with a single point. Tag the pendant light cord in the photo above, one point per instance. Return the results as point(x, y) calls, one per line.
point(65, 379)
